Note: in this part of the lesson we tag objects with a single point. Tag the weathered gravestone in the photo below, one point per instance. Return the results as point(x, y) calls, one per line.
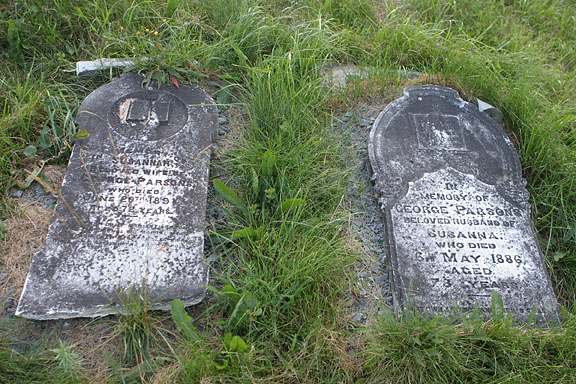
point(457, 213)
point(131, 213)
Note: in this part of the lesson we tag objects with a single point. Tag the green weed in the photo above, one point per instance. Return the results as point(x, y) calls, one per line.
point(67, 359)
point(139, 327)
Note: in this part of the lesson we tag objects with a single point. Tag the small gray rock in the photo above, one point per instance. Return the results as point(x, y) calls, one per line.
point(364, 123)
point(49, 202)
point(358, 317)
point(405, 74)
point(495, 113)
point(21, 348)
point(222, 120)
point(17, 193)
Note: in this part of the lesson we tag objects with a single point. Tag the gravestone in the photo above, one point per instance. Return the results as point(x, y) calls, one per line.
point(130, 216)
point(456, 208)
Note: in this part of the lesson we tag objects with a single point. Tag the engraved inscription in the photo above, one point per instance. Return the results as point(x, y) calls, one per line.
point(136, 187)
point(457, 240)
point(438, 131)
point(133, 209)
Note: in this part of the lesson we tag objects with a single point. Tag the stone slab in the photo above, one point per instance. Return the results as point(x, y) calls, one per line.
point(130, 215)
point(457, 213)
point(89, 68)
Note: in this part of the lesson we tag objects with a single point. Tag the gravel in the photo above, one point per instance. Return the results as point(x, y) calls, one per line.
point(215, 216)
point(358, 317)
point(35, 192)
point(371, 293)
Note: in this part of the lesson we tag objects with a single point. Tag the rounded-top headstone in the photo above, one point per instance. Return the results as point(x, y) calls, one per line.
point(458, 219)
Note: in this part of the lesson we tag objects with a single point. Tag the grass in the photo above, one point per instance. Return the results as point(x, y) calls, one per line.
point(56, 366)
point(420, 350)
point(282, 286)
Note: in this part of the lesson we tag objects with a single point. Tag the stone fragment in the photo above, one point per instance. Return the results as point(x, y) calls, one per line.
point(406, 74)
point(130, 216)
point(88, 68)
point(457, 213)
point(364, 123)
point(358, 317)
point(338, 76)
point(491, 111)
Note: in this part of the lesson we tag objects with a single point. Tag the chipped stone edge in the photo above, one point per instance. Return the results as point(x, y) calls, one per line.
point(113, 309)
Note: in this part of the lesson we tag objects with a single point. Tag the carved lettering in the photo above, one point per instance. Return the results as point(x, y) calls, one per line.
point(469, 235)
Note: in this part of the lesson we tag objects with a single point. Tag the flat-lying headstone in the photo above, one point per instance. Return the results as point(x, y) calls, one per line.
point(456, 208)
point(131, 211)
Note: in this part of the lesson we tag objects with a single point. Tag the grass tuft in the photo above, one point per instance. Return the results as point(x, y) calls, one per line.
point(418, 349)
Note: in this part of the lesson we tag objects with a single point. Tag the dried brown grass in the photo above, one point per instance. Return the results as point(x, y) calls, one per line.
point(233, 137)
point(26, 232)
point(166, 375)
point(54, 174)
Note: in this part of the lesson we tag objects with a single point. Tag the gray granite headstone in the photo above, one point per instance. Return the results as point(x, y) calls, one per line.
point(457, 213)
point(130, 217)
